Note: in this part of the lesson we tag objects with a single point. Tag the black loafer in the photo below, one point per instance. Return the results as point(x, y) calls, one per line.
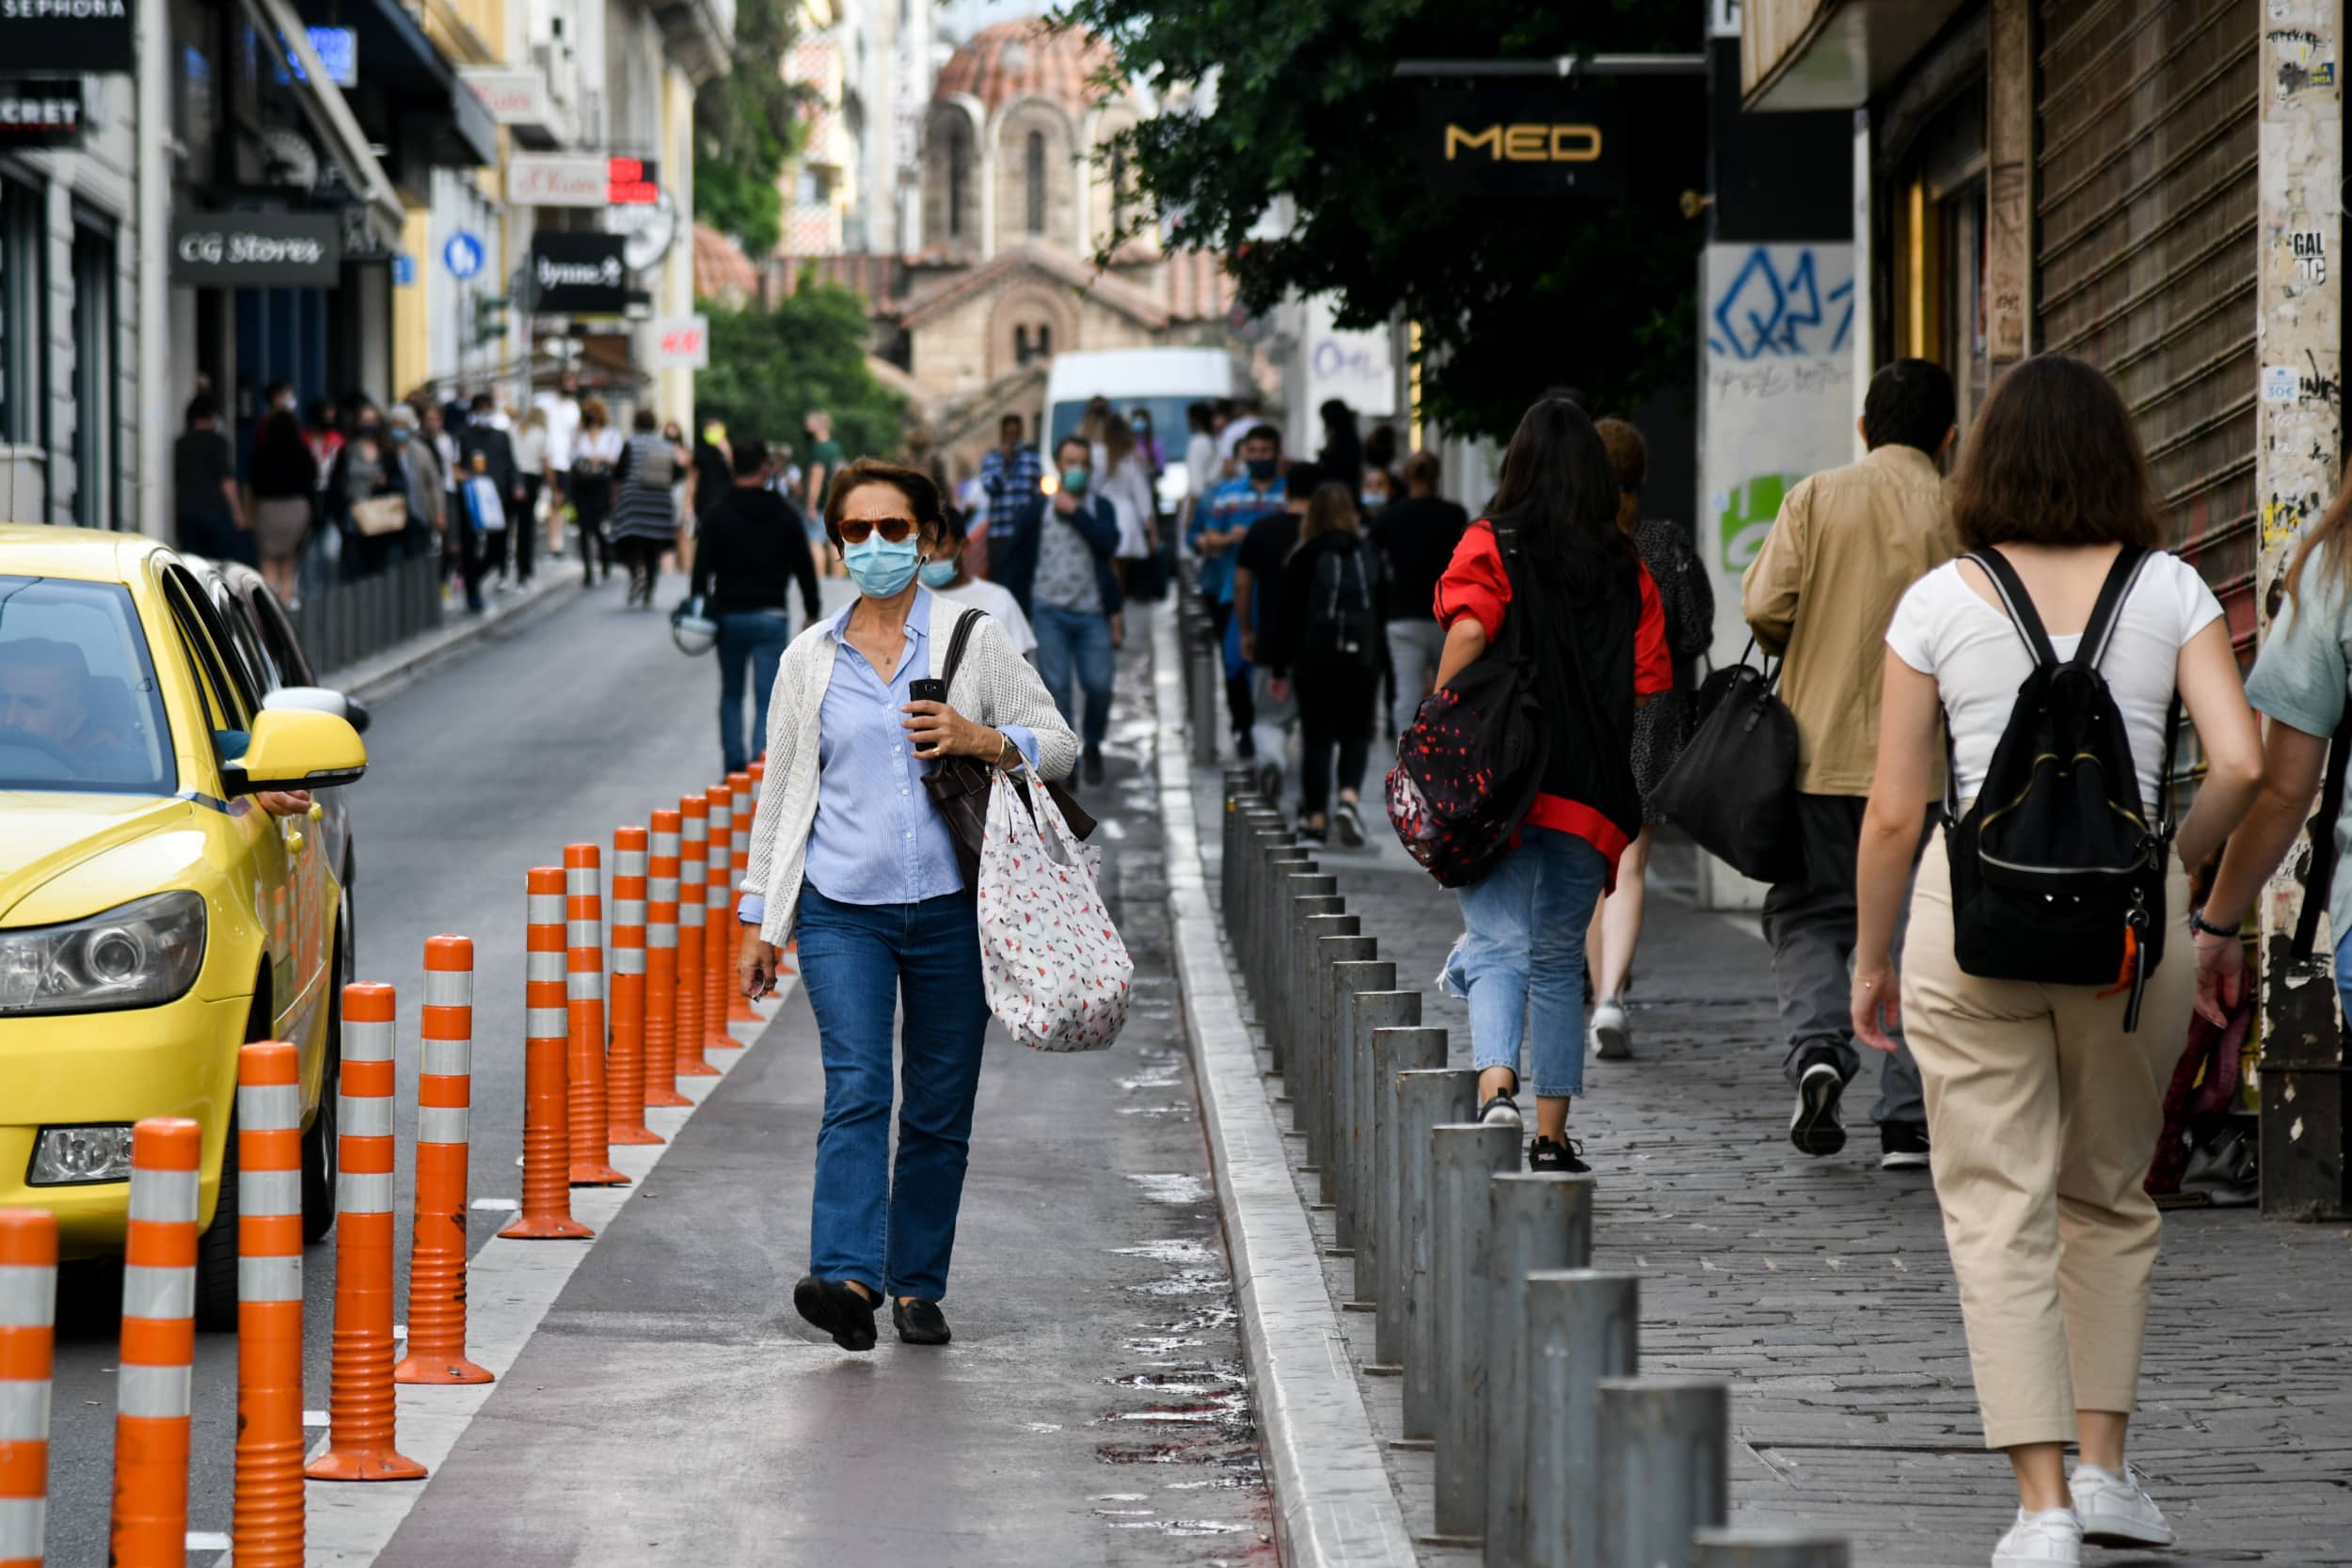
point(920, 1323)
point(835, 1306)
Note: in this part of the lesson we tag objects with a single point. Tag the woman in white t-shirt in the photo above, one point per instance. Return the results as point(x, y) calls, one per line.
point(2043, 1109)
point(947, 575)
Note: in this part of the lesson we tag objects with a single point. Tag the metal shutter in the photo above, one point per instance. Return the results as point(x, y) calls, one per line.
point(2146, 257)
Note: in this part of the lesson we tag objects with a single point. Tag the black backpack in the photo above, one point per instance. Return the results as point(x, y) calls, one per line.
point(1340, 626)
point(2057, 874)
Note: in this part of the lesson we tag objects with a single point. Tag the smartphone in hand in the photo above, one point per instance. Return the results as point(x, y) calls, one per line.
point(927, 691)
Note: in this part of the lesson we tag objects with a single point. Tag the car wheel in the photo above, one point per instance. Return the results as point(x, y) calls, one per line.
point(216, 1251)
point(320, 1145)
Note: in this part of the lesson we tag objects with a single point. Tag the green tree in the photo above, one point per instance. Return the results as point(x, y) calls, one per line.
point(769, 368)
point(1512, 297)
point(746, 125)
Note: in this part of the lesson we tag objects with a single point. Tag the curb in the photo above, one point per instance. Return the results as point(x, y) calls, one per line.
point(1334, 1506)
point(380, 673)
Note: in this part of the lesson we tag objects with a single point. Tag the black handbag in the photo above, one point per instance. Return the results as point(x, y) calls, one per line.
point(958, 787)
point(1734, 789)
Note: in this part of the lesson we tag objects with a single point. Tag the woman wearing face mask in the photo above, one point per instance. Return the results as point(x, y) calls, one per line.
point(949, 576)
point(864, 877)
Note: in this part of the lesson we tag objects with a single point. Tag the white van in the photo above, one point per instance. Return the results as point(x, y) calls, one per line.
point(1163, 381)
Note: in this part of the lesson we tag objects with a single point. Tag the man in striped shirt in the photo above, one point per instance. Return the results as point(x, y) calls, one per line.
point(1011, 477)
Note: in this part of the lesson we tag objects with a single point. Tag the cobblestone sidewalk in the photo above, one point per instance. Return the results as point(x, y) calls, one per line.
point(1821, 1289)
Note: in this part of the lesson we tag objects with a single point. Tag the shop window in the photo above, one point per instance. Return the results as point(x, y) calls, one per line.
point(1034, 168)
point(23, 320)
point(95, 377)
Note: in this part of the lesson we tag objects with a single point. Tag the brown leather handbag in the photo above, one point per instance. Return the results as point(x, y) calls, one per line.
point(958, 787)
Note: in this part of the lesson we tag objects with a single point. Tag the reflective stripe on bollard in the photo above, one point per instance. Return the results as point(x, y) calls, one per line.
point(149, 1527)
point(1664, 1467)
point(1767, 1548)
point(28, 1334)
point(1537, 1220)
point(1395, 1051)
point(1425, 1100)
point(584, 991)
point(739, 866)
point(436, 1226)
point(547, 1211)
point(693, 899)
point(1463, 1159)
point(1350, 980)
point(625, 1082)
point(661, 879)
point(1582, 1327)
point(718, 917)
point(1376, 1010)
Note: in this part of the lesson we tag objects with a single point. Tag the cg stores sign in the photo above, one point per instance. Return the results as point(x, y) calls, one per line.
point(286, 250)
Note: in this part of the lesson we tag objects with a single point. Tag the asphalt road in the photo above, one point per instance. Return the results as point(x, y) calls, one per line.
point(581, 720)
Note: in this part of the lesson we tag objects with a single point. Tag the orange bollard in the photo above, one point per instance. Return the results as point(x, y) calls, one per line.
point(584, 941)
point(624, 1091)
point(746, 802)
point(28, 1316)
point(662, 965)
point(265, 1523)
point(361, 1416)
point(436, 1226)
point(151, 1507)
point(721, 933)
point(693, 959)
point(547, 1212)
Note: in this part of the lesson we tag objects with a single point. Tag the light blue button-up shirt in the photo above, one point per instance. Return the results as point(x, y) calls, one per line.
point(877, 838)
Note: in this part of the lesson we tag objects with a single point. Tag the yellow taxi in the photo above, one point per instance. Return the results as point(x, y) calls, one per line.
point(155, 910)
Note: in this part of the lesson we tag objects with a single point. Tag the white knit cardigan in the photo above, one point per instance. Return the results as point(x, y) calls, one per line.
point(994, 686)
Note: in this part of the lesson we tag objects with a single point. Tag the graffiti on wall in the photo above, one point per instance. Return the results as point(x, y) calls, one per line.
point(1779, 302)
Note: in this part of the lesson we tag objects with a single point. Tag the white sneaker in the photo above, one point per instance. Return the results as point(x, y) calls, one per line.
point(2116, 1511)
point(2037, 1540)
point(1612, 1041)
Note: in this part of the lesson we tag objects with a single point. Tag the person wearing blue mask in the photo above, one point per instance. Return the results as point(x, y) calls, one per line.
point(1058, 562)
point(850, 857)
point(950, 577)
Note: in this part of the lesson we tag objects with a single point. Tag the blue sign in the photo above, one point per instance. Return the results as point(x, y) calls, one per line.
point(462, 256)
point(404, 269)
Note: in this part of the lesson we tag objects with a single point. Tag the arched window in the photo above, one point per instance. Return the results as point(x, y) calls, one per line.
point(1020, 345)
point(959, 177)
point(1027, 347)
point(1036, 172)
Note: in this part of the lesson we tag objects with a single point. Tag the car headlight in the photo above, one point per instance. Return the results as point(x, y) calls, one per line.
point(137, 955)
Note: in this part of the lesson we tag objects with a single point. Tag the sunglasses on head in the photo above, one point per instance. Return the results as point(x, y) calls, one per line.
point(896, 531)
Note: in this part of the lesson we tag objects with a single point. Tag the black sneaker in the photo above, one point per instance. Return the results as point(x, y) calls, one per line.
point(1545, 1154)
point(1903, 1145)
point(1246, 746)
point(919, 1323)
point(1815, 1128)
point(1312, 835)
point(1094, 764)
point(836, 1307)
point(1500, 1110)
point(1349, 825)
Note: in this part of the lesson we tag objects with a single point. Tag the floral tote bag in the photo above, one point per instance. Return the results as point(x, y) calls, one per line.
point(1057, 974)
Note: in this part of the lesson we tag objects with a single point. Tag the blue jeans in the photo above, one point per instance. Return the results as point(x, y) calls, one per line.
point(892, 1231)
point(2343, 971)
point(1066, 638)
point(757, 639)
point(1523, 944)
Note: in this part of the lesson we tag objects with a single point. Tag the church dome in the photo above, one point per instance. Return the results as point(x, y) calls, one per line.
point(1025, 58)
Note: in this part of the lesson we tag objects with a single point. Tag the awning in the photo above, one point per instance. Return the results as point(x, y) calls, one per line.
point(1831, 53)
point(396, 57)
point(330, 116)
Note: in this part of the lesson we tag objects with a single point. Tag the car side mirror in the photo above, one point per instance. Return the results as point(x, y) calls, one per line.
point(295, 749)
point(318, 699)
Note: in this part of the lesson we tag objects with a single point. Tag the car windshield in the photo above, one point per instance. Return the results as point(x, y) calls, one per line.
point(78, 705)
point(1168, 422)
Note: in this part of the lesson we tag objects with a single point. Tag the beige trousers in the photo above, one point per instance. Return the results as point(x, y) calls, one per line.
point(2043, 1115)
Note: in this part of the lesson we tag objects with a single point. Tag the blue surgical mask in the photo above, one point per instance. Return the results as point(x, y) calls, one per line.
point(1141, 423)
point(938, 574)
point(1262, 469)
point(880, 569)
point(1075, 480)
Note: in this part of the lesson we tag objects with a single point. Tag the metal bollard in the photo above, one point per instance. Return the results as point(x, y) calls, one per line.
point(1310, 893)
point(1581, 1326)
point(1280, 866)
point(1200, 702)
point(1318, 1007)
point(1425, 1100)
point(1351, 982)
point(1664, 1468)
point(1395, 1051)
point(1238, 793)
point(1463, 1160)
point(1767, 1548)
point(1268, 837)
point(1537, 1220)
point(1293, 1016)
point(1375, 1010)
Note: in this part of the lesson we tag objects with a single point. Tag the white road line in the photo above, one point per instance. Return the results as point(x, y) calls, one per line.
point(509, 1288)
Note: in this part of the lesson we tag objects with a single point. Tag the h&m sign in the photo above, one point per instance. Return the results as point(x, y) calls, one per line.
point(1559, 141)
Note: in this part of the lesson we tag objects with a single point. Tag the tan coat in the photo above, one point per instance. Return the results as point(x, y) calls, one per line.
point(1847, 544)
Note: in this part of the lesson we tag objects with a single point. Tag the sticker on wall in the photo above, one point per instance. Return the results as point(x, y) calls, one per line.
point(2279, 384)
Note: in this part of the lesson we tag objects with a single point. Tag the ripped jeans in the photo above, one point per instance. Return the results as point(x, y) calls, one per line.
point(1522, 946)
